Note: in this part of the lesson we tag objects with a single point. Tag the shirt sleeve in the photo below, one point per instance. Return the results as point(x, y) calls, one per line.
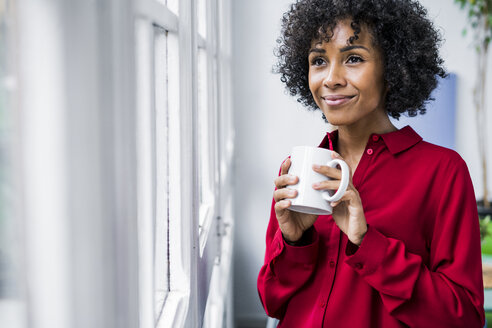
point(286, 268)
point(448, 293)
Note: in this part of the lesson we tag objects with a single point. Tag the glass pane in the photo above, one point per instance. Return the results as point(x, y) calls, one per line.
point(161, 247)
point(12, 303)
point(202, 17)
point(173, 5)
point(203, 131)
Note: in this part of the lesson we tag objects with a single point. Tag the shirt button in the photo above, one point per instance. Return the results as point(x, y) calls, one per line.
point(322, 304)
point(332, 264)
point(358, 266)
point(369, 151)
point(375, 138)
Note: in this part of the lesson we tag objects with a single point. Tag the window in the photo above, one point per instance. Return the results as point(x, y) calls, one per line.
point(172, 5)
point(207, 120)
point(205, 151)
point(115, 219)
point(162, 190)
point(158, 162)
point(219, 295)
point(202, 18)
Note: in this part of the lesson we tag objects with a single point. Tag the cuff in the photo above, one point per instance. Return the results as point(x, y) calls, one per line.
point(307, 254)
point(369, 257)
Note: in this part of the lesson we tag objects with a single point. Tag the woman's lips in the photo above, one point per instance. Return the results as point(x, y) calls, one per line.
point(335, 101)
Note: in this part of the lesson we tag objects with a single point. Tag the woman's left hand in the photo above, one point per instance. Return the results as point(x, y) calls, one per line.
point(347, 212)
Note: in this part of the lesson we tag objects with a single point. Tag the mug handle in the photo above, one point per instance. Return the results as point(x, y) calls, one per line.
point(343, 182)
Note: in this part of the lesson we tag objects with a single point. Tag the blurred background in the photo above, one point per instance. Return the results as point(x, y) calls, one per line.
point(139, 141)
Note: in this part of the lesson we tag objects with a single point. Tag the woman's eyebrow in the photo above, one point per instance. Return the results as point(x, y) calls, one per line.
point(320, 50)
point(347, 48)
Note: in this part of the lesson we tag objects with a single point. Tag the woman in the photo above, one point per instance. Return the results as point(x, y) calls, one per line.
point(402, 247)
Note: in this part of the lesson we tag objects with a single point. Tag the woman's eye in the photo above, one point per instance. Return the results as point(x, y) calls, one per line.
point(317, 61)
point(354, 59)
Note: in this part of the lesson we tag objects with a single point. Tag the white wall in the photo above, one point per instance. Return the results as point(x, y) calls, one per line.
point(459, 55)
point(269, 123)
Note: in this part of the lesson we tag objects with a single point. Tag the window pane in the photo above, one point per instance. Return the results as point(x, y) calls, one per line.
point(158, 140)
point(173, 5)
point(203, 134)
point(202, 17)
point(161, 260)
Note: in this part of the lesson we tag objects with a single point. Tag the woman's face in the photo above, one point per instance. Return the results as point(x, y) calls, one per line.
point(346, 80)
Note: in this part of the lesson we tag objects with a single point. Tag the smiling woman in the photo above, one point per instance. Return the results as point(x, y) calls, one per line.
point(401, 248)
point(407, 40)
point(358, 68)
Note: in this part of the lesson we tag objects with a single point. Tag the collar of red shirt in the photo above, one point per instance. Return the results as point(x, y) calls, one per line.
point(396, 141)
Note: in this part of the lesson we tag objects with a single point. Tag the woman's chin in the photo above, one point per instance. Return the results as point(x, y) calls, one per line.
point(336, 119)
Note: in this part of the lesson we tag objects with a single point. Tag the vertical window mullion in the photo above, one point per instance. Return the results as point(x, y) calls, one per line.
point(161, 260)
point(145, 176)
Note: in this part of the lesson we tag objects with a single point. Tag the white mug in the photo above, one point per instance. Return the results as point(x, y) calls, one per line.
point(308, 199)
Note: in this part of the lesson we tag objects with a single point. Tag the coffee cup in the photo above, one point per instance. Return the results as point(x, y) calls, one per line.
point(308, 199)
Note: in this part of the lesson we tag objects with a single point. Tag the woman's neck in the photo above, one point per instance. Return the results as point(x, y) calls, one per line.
point(352, 139)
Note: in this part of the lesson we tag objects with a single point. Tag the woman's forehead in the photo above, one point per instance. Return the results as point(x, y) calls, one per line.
point(344, 31)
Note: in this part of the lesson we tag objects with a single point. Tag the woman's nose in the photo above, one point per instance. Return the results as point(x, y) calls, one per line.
point(335, 77)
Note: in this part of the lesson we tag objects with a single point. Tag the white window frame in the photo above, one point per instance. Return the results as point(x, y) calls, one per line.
point(208, 44)
point(155, 310)
point(91, 154)
point(220, 297)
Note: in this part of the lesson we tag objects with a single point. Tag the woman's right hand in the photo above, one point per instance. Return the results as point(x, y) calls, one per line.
point(292, 224)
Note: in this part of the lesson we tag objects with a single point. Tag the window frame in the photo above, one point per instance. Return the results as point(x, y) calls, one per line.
point(174, 307)
point(101, 282)
point(208, 44)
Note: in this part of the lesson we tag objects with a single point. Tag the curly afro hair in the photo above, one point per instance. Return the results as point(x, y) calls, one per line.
point(400, 28)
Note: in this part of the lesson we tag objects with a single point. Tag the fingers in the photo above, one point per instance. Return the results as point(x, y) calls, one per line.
point(334, 154)
point(283, 193)
point(285, 166)
point(327, 185)
point(281, 182)
point(285, 180)
point(331, 172)
point(349, 195)
point(281, 206)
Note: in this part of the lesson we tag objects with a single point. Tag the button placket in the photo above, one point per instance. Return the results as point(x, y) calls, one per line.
point(365, 161)
point(328, 281)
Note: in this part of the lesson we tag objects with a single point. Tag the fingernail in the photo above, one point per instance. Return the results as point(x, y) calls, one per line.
point(316, 166)
point(315, 185)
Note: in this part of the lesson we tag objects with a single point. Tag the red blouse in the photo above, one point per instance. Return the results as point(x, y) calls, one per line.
point(419, 264)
